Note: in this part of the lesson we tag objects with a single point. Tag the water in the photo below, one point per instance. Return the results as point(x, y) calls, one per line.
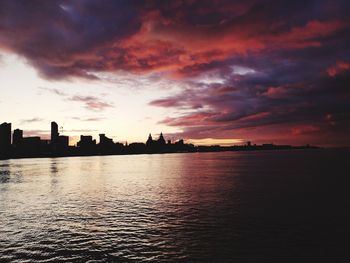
point(282, 206)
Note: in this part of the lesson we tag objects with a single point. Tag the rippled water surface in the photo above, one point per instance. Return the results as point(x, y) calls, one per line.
point(282, 206)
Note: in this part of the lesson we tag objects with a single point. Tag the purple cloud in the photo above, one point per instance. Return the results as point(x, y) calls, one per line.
point(256, 69)
point(91, 102)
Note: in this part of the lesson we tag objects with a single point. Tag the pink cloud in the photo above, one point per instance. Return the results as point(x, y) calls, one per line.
point(276, 92)
point(338, 68)
point(92, 103)
point(304, 129)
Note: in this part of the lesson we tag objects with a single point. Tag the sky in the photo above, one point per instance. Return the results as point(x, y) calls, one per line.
point(209, 71)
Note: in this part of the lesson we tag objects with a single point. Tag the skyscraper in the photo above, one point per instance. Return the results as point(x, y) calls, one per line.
point(5, 138)
point(54, 133)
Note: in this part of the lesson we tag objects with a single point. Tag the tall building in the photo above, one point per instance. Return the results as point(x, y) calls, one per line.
point(54, 132)
point(59, 143)
point(17, 137)
point(5, 138)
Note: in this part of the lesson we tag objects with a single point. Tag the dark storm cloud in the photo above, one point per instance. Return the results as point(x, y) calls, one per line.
point(74, 38)
point(58, 37)
point(308, 107)
point(247, 65)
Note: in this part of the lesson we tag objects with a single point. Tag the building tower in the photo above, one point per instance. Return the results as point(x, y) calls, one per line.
point(161, 140)
point(149, 142)
point(54, 132)
point(5, 139)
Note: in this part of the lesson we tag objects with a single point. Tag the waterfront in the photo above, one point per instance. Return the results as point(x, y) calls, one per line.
point(280, 206)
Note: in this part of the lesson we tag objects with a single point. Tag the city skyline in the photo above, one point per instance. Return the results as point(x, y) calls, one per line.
point(210, 72)
point(13, 144)
point(13, 135)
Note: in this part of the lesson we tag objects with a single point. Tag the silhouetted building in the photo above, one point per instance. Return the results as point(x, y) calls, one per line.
point(86, 141)
point(45, 147)
point(86, 144)
point(156, 146)
point(105, 140)
point(54, 137)
point(161, 140)
point(180, 142)
point(58, 145)
point(17, 137)
point(32, 141)
point(106, 145)
point(54, 132)
point(5, 139)
point(136, 147)
point(62, 143)
point(149, 142)
point(31, 146)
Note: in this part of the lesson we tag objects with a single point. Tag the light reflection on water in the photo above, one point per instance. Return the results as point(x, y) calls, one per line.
point(200, 207)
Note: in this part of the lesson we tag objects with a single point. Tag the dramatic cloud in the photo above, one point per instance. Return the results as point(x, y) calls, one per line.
point(258, 69)
point(298, 110)
point(72, 38)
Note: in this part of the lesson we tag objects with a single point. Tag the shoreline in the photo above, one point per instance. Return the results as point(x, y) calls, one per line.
point(241, 149)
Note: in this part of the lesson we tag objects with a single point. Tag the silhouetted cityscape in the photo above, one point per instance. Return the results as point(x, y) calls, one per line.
point(58, 145)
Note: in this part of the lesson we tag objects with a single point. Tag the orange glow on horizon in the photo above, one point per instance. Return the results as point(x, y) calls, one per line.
point(213, 141)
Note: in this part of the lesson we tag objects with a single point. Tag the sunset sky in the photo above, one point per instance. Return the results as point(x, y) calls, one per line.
point(204, 70)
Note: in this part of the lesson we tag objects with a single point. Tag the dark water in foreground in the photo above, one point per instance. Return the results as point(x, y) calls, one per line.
point(282, 206)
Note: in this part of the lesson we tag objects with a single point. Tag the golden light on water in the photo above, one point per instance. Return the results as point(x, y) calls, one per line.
point(212, 141)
